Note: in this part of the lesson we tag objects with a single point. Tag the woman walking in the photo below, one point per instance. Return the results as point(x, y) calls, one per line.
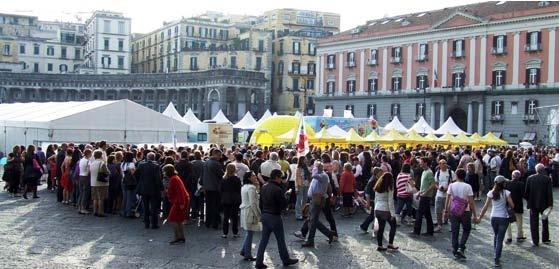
point(500, 198)
point(231, 199)
point(404, 197)
point(302, 185)
point(250, 213)
point(385, 210)
point(180, 199)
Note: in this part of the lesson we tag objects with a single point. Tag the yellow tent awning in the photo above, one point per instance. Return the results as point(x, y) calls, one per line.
point(431, 137)
point(463, 140)
point(289, 136)
point(353, 137)
point(415, 138)
point(372, 137)
point(491, 139)
point(324, 137)
point(393, 137)
point(446, 139)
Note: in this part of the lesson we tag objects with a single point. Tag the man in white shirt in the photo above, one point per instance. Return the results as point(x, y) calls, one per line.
point(240, 167)
point(444, 176)
point(268, 166)
point(494, 164)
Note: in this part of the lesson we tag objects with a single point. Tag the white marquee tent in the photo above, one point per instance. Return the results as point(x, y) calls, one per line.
point(265, 116)
point(120, 121)
point(422, 127)
point(336, 131)
point(171, 112)
point(191, 118)
point(449, 127)
point(247, 123)
point(396, 125)
point(221, 118)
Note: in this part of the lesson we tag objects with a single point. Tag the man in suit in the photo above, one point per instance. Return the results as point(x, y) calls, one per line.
point(150, 188)
point(538, 192)
point(212, 174)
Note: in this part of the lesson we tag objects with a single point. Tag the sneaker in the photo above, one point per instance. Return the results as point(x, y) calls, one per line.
point(290, 262)
point(299, 235)
point(547, 242)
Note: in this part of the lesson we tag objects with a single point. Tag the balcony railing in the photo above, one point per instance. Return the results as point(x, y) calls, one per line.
point(533, 47)
point(350, 64)
point(422, 58)
point(395, 60)
point(497, 118)
point(458, 54)
point(372, 62)
point(499, 51)
point(530, 118)
point(330, 66)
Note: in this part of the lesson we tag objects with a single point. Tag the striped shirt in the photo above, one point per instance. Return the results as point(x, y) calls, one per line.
point(402, 179)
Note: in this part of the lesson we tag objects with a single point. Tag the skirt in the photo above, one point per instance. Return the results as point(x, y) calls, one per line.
point(66, 183)
point(347, 200)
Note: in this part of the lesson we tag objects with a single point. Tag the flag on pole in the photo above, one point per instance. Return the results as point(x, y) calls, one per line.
point(435, 79)
point(302, 143)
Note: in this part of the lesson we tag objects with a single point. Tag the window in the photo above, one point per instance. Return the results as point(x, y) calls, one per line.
point(120, 62)
point(331, 61)
point(350, 107)
point(22, 49)
point(233, 62)
point(107, 26)
point(50, 67)
point(396, 55)
point(258, 64)
point(499, 45)
point(351, 86)
point(531, 107)
point(396, 83)
point(395, 110)
point(280, 48)
point(280, 84)
point(213, 61)
point(421, 82)
point(420, 109)
point(194, 65)
point(372, 85)
point(169, 33)
point(458, 80)
point(330, 87)
point(310, 84)
point(296, 48)
point(373, 57)
point(50, 51)
point(121, 27)
point(36, 49)
point(106, 44)
point(121, 45)
point(498, 78)
point(190, 30)
point(312, 49)
point(295, 68)
point(513, 108)
point(296, 101)
point(311, 68)
point(63, 52)
point(532, 76)
point(261, 45)
point(423, 52)
point(295, 84)
point(77, 54)
point(106, 61)
point(533, 41)
point(458, 48)
point(351, 59)
point(36, 68)
point(371, 110)
point(497, 108)
point(280, 68)
point(63, 68)
point(6, 50)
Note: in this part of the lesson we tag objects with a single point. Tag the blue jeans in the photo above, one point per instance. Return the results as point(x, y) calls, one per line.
point(301, 200)
point(247, 244)
point(272, 224)
point(129, 199)
point(405, 203)
point(499, 225)
point(456, 222)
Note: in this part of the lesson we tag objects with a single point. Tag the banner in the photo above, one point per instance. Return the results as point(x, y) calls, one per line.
point(363, 126)
point(219, 133)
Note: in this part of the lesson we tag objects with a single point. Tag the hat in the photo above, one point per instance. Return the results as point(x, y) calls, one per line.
point(499, 179)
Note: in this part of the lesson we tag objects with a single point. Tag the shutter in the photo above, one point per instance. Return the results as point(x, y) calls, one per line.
point(528, 38)
point(334, 59)
point(527, 80)
point(400, 83)
point(294, 47)
point(527, 107)
point(347, 86)
point(538, 80)
point(375, 86)
point(539, 34)
point(463, 79)
point(417, 82)
point(398, 109)
point(426, 49)
point(504, 77)
point(495, 42)
point(505, 42)
point(417, 106)
point(494, 78)
point(453, 79)
point(493, 107)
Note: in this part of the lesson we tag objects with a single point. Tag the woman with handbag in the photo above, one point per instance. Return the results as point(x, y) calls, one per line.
point(250, 213)
point(405, 189)
point(500, 198)
point(385, 210)
point(99, 179)
point(32, 172)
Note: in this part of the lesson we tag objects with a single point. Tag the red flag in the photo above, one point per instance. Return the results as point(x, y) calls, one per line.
point(435, 79)
point(302, 143)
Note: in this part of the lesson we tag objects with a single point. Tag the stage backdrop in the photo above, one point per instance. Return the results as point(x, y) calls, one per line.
point(362, 125)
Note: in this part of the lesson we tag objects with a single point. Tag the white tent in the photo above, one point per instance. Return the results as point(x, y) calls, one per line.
point(221, 118)
point(336, 131)
point(449, 127)
point(171, 112)
point(246, 123)
point(275, 114)
point(191, 118)
point(121, 121)
point(265, 116)
point(396, 125)
point(297, 114)
point(422, 127)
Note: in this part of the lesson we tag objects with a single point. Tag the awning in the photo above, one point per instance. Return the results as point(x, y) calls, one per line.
point(498, 134)
point(529, 136)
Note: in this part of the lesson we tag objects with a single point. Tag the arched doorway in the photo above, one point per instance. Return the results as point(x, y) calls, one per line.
point(460, 117)
point(214, 99)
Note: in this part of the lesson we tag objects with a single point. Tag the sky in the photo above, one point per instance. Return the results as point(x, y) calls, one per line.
point(149, 15)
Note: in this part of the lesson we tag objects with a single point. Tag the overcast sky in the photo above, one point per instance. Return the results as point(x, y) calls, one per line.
point(149, 15)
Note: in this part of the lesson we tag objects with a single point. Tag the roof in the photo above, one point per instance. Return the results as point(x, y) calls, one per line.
point(191, 118)
point(221, 118)
point(171, 112)
point(45, 112)
point(439, 19)
point(421, 126)
point(449, 127)
point(396, 125)
point(246, 123)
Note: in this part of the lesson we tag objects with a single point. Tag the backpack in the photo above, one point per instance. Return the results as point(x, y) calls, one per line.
point(449, 179)
point(458, 206)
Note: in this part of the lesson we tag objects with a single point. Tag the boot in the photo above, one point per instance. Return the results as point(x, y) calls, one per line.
point(25, 195)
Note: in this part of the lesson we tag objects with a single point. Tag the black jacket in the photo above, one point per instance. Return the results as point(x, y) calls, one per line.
point(538, 192)
point(149, 179)
point(212, 175)
point(184, 169)
point(272, 198)
point(517, 189)
point(231, 191)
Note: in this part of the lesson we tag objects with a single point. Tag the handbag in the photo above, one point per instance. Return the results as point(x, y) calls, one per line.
point(510, 212)
point(410, 189)
point(103, 175)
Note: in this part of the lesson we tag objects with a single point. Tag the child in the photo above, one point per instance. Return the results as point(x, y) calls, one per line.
point(347, 188)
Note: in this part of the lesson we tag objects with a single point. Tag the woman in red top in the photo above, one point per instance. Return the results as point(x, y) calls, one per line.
point(179, 199)
point(347, 188)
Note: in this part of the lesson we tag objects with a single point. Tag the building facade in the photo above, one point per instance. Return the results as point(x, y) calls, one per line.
point(233, 91)
point(107, 44)
point(294, 56)
point(492, 66)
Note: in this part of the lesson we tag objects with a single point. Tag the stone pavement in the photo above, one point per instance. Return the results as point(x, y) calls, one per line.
point(42, 233)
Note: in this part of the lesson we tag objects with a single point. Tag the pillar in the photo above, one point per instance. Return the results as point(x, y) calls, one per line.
point(482, 67)
point(435, 64)
point(432, 114)
point(385, 75)
point(441, 114)
point(408, 67)
point(472, 60)
point(238, 114)
point(469, 118)
point(551, 59)
point(480, 118)
point(362, 83)
point(515, 76)
point(443, 63)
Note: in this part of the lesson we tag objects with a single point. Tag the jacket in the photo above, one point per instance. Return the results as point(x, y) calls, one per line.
point(149, 179)
point(272, 198)
point(250, 210)
point(517, 190)
point(347, 182)
point(212, 174)
point(185, 172)
point(231, 191)
point(538, 192)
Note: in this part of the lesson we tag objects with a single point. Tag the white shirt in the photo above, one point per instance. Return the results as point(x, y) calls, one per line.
point(486, 158)
point(94, 170)
point(461, 190)
point(268, 166)
point(83, 166)
point(240, 170)
point(126, 167)
point(384, 202)
point(443, 180)
point(358, 171)
point(495, 163)
point(293, 169)
point(499, 207)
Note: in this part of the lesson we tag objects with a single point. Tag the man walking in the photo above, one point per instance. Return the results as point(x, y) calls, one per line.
point(538, 192)
point(426, 193)
point(444, 177)
point(317, 193)
point(150, 188)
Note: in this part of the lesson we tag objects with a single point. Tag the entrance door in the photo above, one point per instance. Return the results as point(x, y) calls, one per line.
point(460, 117)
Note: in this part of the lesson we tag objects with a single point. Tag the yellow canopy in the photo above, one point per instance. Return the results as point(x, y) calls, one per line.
point(479, 140)
point(415, 138)
point(278, 126)
point(393, 137)
point(431, 137)
point(491, 139)
point(323, 137)
point(353, 137)
point(264, 139)
point(372, 137)
point(446, 139)
point(463, 140)
point(289, 136)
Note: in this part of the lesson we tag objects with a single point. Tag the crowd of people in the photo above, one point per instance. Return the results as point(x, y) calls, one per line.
point(252, 187)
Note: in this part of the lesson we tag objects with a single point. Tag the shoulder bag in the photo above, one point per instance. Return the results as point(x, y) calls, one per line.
point(103, 174)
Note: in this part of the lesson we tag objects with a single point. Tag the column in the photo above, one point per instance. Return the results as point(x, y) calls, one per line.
point(472, 60)
point(480, 118)
point(432, 114)
point(469, 119)
point(408, 67)
point(238, 114)
point(385, 75)
point(482, 67)
point(515, 76)
point(551, 59)
point(341, 80)
point(320, 76)
point(362, 88)
point(444, 63)
point(441, 114)
point(434, 63)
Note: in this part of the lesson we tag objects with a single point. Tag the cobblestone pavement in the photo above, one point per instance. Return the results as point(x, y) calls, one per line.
point(42, 233)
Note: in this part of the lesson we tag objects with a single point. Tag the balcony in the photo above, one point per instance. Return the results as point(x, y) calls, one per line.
point(294, 72)
point(350, 64)
point(330, 66)
point(530, 118)
point(498, 87)
point(458, 54)
point(533, 47)
point(372, 62)
point(497, 118)
point(499, 51)
point(395, 60)
point(422, 58)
